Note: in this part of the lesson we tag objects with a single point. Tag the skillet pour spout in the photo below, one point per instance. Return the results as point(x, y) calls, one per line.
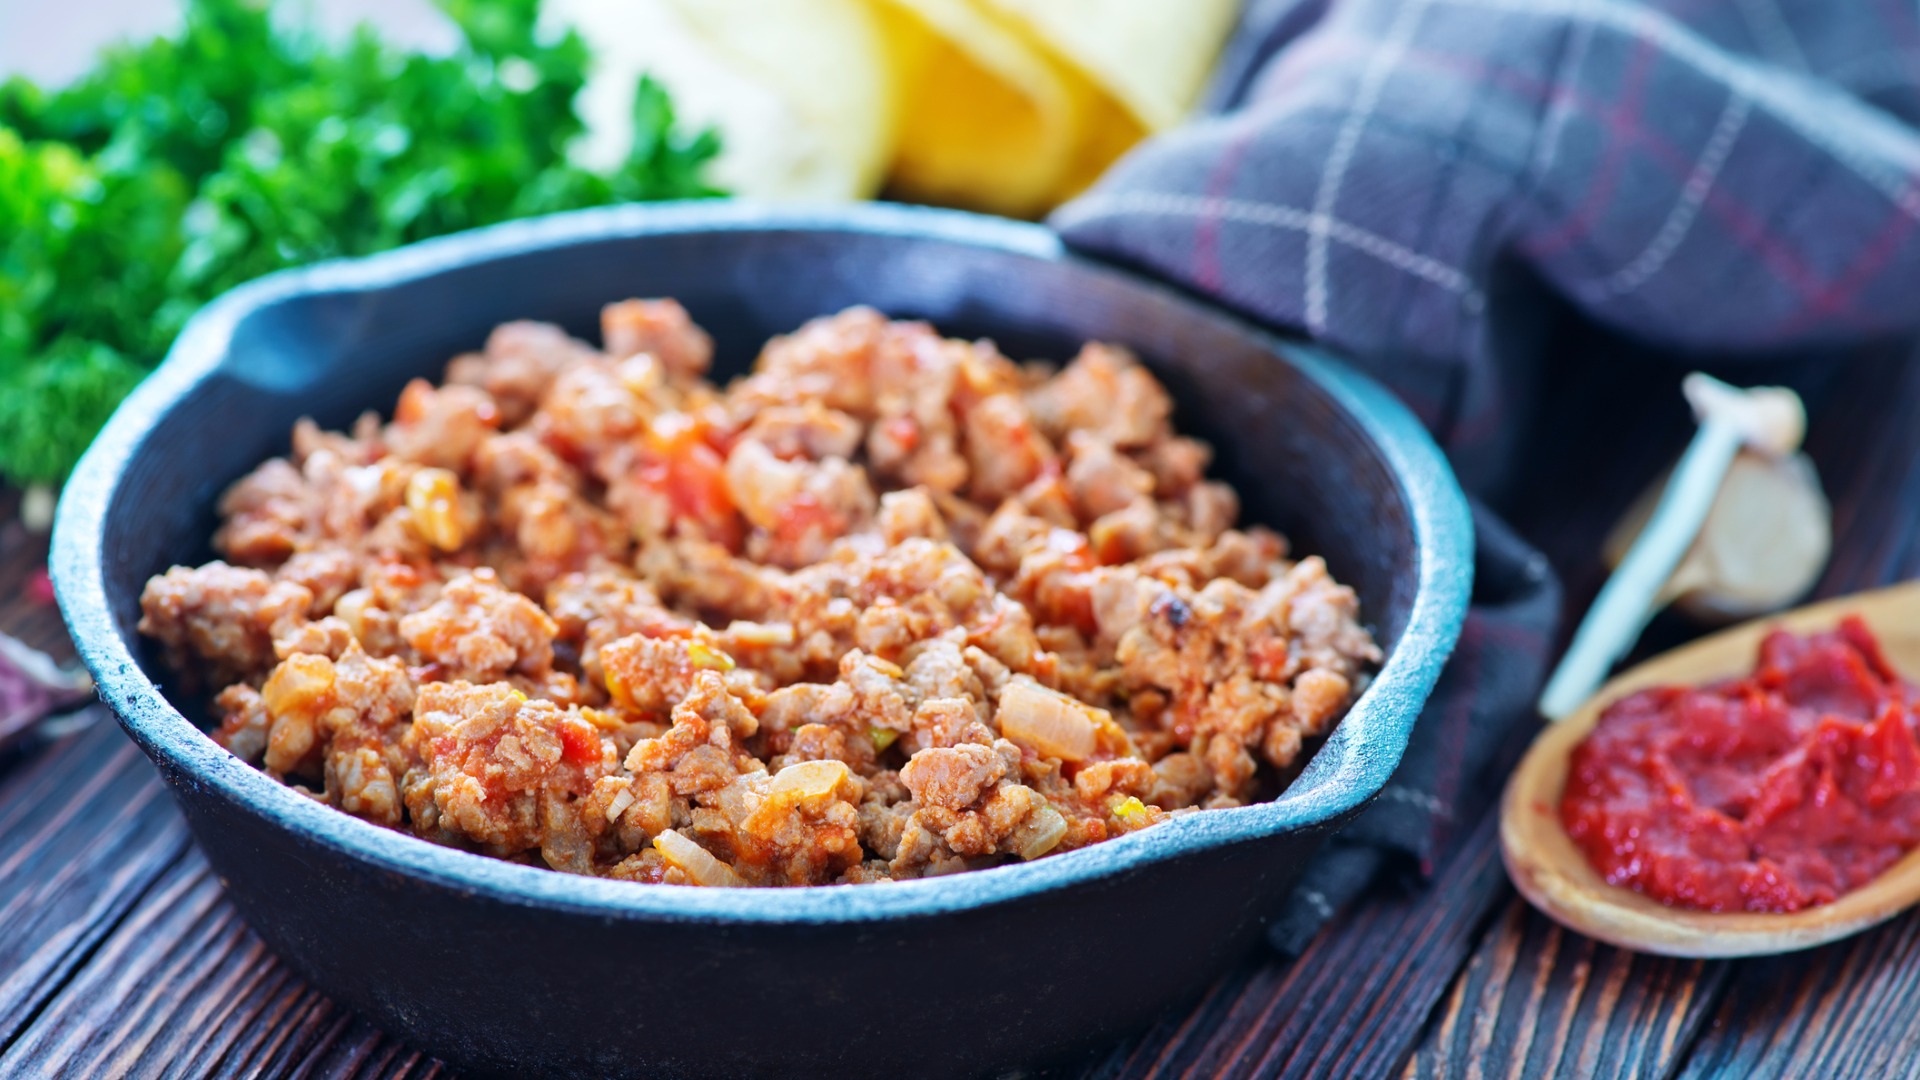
point(507, 969)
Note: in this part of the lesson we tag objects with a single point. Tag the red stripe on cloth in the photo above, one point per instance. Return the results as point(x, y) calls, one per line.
point(1622, 117)
point(1900, 22)
point(1206, 232)
point(1741, 221)
point(1838, 296)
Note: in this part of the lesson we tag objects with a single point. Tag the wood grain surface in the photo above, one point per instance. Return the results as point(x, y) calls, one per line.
point(121, 956)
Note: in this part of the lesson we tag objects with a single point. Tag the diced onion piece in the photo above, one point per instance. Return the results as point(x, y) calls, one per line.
point(300, 685)
point(804, 784)
point(753, 633)
point(621, 800)
point(1040, 833)
point(351, 609)
point(886, 667)
point(365, 481)
point(807, 779)
point(695, 861)
point(641, 374)
point(882, 738)
point(1047, 722)
point(434, 497)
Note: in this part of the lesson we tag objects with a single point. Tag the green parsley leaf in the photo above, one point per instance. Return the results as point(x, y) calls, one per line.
point(183, 166)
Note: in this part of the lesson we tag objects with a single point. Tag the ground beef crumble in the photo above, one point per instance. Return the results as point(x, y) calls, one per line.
point(890, 606)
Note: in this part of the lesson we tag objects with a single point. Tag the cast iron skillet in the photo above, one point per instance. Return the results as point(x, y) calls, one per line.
point(508, 969)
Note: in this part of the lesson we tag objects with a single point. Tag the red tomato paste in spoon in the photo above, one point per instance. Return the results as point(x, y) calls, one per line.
point(1774, 792)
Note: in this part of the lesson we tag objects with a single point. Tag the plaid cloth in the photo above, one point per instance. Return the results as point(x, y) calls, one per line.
point(1396, 177)
point(1408, 180)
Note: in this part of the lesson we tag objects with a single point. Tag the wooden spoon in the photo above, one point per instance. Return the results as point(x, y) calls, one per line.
point(1555, 876)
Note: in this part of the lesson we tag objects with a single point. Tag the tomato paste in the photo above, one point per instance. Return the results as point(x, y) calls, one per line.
point(1774, 792)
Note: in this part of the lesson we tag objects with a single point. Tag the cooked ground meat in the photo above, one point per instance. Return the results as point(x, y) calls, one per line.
point(890, 606)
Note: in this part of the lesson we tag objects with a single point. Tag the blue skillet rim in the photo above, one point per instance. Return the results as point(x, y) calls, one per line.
point(1351, 767)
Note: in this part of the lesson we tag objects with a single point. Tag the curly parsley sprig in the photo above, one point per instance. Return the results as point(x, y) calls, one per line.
point(180, 167)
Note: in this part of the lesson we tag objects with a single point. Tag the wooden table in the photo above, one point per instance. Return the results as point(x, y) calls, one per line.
point(120, 955)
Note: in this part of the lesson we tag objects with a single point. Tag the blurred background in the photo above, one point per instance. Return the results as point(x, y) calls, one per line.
point(53, 44)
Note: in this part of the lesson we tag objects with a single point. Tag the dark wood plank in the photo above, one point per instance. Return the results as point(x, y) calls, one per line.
point(1353, 1002)
point(1536, 1000)
point(364, 1052)
point(1351, 1005)
point(1850, 1009)
point(122, 954)
point(84, 833)
point(182, 987)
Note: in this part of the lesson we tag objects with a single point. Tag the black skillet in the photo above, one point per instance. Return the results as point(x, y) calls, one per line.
point(509, 969)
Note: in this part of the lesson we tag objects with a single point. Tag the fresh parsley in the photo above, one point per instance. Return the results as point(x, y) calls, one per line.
point(185, 165)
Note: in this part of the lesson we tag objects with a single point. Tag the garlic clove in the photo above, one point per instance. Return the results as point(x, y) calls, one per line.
point(1763, 545)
